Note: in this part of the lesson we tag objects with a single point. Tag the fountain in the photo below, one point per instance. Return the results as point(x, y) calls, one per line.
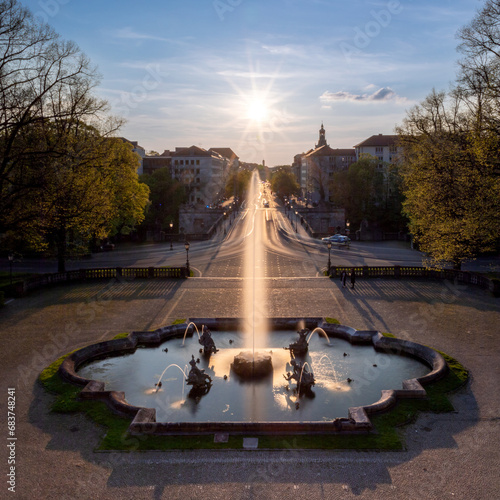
point(245, 391)
point(327, 383)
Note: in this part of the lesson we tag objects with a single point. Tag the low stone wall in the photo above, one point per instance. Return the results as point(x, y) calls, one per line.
point(144, 419)
point(102, 273)
point(414, 272)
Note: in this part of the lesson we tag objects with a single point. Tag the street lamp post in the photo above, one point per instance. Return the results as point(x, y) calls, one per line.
point(11, 261)
point(296, 219)
point(347, 224)
point(329, 245)
point(186, 246)
point(171, 235)
point(290, 212)
point(225, 230)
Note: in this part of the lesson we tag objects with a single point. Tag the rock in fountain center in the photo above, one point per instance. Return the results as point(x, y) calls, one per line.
point(249, 365)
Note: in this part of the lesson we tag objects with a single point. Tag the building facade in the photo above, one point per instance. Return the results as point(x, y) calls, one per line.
point(384, 147)
point(155, 162)
point(318, 167)
point(202, 172)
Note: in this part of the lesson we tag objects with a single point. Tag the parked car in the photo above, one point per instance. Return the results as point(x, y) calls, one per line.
point(107, 247)
point(337, 239)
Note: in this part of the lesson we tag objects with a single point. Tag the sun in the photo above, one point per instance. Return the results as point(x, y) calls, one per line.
point(257, 109)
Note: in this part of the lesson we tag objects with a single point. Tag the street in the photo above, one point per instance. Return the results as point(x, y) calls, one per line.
point(286, 252)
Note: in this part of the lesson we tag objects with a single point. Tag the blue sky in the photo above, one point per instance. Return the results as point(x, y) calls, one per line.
point(260, 76)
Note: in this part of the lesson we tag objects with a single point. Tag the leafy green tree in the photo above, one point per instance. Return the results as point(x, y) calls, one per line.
point(166, 196)
point(87, 193)
point(283, 183)
point(451, 182)
point(237, 183)
point(129, 196)
point(362, 190)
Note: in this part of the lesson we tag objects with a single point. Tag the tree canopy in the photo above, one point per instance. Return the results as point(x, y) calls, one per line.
point(283, 183)
point(451, 182)
point(63, 180)
point(368, 192)
point(237, 183)
point(167, 194)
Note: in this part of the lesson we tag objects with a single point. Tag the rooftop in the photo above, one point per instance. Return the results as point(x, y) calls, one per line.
point(378, 140)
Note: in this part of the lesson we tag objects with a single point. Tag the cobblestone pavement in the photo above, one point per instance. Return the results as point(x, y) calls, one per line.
point(453, 455)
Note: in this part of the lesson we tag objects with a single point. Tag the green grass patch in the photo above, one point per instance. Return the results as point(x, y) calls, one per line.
point(386, 436)
point(121, 336)
point(179, 321)
point(332, 321)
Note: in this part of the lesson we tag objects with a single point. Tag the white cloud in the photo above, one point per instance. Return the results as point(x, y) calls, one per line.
point(253, 74)
point(383, 94)
point(287, 50)
point(129, 34)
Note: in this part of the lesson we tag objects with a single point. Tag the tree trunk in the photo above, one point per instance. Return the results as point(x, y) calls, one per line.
point(61, 250)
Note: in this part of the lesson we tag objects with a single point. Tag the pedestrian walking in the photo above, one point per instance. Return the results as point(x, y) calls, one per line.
point(343, 278)
point(353, 278)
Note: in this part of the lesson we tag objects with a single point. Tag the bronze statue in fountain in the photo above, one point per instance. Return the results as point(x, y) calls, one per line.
point(207, 341)
point(197, 378)
point(299, 348)
point(304, 378)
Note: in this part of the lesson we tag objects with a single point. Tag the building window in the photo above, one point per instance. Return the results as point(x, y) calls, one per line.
point(379, 149)
point(192, 162)
point(197, 162)
point(197, 170)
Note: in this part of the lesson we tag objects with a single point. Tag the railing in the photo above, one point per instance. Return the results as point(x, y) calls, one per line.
point(399, 272)
point(126, 273)
point(104, 273)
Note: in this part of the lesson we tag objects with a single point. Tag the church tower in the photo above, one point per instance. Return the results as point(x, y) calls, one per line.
point(322, 138)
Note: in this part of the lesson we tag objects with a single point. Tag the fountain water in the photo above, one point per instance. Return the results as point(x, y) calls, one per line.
point(158, 384)
point(255, 325)
point(310, 378)
point(319, 330)
point(186, 330)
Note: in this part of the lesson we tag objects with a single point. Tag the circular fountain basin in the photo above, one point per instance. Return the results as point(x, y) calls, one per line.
point(346, 376)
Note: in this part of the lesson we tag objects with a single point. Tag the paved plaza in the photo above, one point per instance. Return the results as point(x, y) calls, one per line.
point(448, 456)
